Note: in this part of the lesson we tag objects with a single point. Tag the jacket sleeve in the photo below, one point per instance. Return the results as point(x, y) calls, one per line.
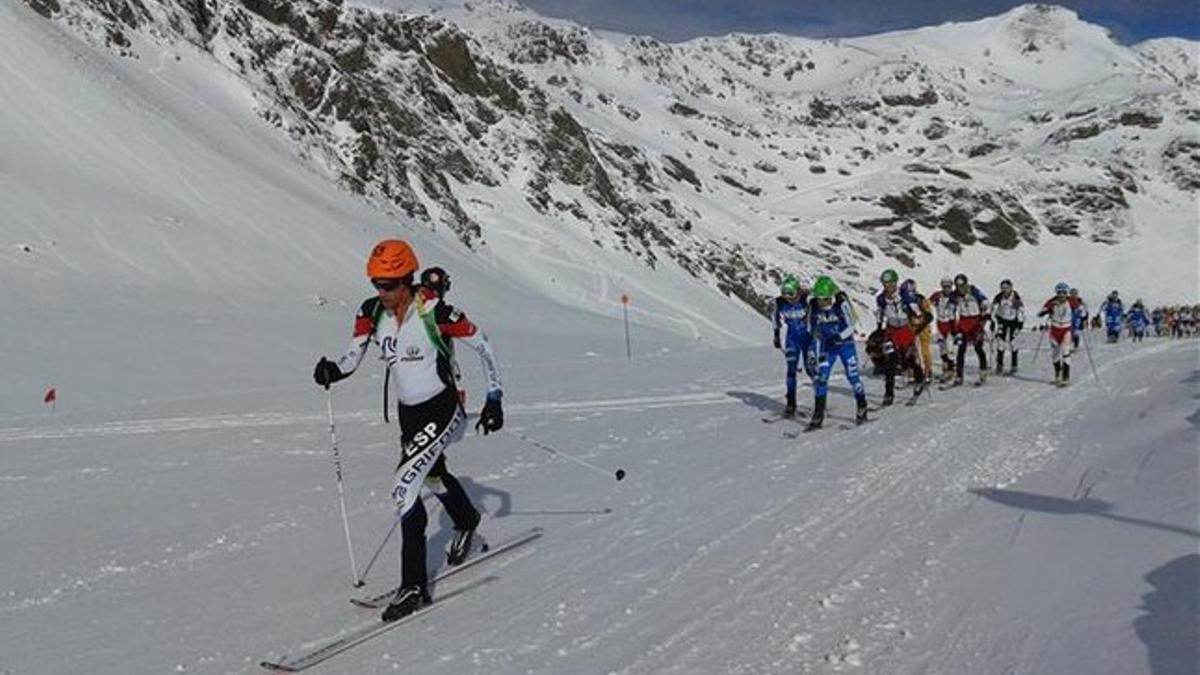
point(775, 318)
point(453, 324)
point(364, 330)
point(847, 333)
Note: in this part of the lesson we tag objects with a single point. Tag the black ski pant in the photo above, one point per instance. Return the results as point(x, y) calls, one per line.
point(1006, 337)
point(414, 420)
point(895, 362)
point(962, 354)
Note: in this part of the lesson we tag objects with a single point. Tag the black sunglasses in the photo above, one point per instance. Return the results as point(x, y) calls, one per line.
point(387, 284)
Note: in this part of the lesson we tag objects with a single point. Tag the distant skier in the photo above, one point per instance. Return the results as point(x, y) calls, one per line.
point(1079, 318)
point(1156, 319)
point(831, 323)
point(1061, 311)
point(1138, 321)
point(791, 310)
point(1186, 319)
point(896, 311)
point(412, 326)
point(1113, 311)
point(971, 308)
point(922, 328)
point(1009, 313)
point(943, 308)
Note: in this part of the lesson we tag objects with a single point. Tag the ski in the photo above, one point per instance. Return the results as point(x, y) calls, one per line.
point(357, 636)
point(771, 419)
point(945, 387)
point(377, 601)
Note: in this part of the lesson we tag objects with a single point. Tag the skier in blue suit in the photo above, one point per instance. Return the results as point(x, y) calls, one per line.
point(832, 324)
point(791, 310)
point(1114, 315)
point(1138, 321)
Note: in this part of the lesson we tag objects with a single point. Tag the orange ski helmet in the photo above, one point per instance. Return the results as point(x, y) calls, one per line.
point(392, 259)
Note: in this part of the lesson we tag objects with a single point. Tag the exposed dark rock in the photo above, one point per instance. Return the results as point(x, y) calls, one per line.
point(752, 190)
point(680, 171)
point(1140, 119)
point(47, 8)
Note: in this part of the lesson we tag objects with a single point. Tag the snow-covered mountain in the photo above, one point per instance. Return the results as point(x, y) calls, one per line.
point(1029, 144)
point(182, 235)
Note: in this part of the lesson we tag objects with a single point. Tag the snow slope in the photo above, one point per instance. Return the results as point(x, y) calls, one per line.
point(1015, 528)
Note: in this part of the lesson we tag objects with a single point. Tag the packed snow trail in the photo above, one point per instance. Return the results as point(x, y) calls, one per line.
point(910, 545)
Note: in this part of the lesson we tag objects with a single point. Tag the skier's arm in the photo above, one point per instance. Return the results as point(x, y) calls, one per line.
point(775, 323)
point(364, 328)
point(847, 332)
point(327, 372)
point(454, 324)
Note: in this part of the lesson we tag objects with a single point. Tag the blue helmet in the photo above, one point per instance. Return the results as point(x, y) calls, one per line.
point(1062, 287)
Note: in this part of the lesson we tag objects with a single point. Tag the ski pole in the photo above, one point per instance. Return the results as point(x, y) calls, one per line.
point(619, 473)
point(1038, 349)
point(337, 468)
point(367, 570)
point(1088, 349)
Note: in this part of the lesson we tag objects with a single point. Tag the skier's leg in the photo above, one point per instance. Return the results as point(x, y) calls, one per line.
point(453, 497)
point(1012, 346)
point(890, 357)
point(412, 552)
point(960, 361)
point(793, 359)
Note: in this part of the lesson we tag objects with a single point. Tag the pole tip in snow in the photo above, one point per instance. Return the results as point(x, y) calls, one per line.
point(620, 474)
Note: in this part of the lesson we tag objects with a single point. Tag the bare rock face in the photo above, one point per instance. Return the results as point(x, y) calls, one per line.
point(704, 153)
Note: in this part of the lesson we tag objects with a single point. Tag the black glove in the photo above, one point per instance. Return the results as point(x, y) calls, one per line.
point(326, 372)
point(1020, 325)
point(777, 343)
point(492, 417)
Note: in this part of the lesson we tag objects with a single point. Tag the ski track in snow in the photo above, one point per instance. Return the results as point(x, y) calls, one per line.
point(255, 420)
point(828, 549)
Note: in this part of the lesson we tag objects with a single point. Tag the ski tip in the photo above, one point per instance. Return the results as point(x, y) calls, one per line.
point(276, 667)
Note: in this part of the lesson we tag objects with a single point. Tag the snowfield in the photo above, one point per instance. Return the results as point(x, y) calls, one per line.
point(174, 268)
point(1013, 528)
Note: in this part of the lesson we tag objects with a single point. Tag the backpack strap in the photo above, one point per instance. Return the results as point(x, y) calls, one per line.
point(429, 320)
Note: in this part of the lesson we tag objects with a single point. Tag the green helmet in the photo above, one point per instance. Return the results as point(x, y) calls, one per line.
point(824, 288)
point(790, 286)
point(889, 276)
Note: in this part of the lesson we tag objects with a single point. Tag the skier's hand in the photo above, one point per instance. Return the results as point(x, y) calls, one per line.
point(492, 417)
point(326, 373)
point(778, 345)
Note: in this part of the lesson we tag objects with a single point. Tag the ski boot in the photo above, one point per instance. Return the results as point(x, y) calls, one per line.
point(818, 416)
point(408, 600)
point(789, 410)
point(460, 547)
point(860, 416)
point(999, 363)
point(1066, 375)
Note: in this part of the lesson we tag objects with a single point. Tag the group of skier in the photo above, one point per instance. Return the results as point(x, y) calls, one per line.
point(416, 329)
point(1172, 321)
point(818, 327)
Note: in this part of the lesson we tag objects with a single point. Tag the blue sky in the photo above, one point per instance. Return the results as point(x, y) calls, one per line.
point(1130, 20)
